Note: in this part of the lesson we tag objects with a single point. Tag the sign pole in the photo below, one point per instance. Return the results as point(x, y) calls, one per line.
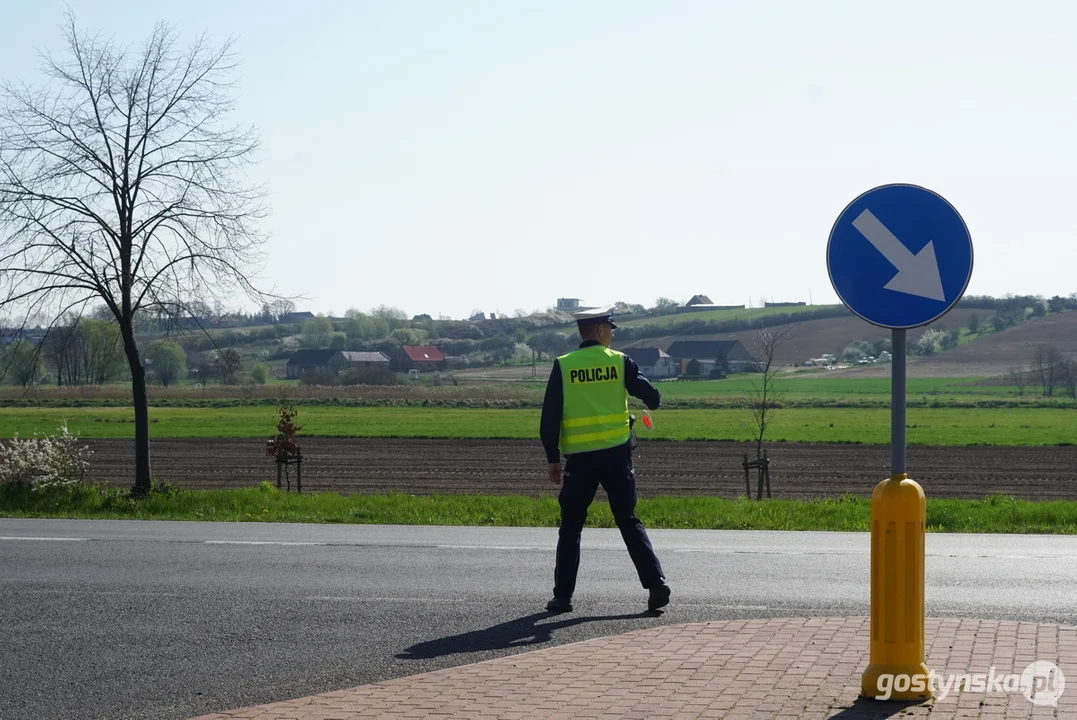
point(898, 527)
point(897, 403)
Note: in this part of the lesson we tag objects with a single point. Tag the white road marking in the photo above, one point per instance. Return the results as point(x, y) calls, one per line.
point(259, 542)
point(92, 593)
point(493, 547)
point(729, 551)
point(54, 539)
point(331, 598)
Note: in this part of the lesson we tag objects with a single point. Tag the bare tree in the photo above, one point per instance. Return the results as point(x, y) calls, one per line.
point(229, 363)
point(1047, 362)
point(1017, 378)
point(281, 307)
point(764, 397)
point(1067, 371)
point(121, 181)
point(204, 368)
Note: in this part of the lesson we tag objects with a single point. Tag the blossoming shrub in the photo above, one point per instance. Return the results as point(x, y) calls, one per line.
point(44, 461)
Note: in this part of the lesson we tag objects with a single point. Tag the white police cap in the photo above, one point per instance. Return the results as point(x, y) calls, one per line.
point(595, 315)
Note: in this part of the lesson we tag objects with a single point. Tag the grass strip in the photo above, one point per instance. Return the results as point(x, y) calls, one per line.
point(799, 390)
point(732, 402)
point(264, 503)
point(951, 427)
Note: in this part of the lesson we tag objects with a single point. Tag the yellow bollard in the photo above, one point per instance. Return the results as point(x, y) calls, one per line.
point(896, 669)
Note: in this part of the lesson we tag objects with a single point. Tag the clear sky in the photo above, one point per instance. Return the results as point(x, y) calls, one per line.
point(452, 155)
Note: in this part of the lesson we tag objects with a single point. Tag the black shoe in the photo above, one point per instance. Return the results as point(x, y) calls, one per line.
point(559, 605)
point(659, 597)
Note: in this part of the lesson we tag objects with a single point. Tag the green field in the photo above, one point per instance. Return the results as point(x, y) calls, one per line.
point(722, 315)
point(819, 386)
point(801, 390)
point(995, 514)
point(926, 426)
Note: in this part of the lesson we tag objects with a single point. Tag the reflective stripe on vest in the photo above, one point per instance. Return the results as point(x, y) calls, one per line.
point(595, 414)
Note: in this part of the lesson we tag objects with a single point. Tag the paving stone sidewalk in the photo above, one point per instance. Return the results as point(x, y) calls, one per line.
point(737, 669)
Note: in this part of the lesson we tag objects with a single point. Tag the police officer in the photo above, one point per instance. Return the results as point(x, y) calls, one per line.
point(585, 416)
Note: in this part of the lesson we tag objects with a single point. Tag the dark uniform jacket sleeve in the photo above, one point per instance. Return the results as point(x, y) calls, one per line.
point(639, 386)
point(550, 424)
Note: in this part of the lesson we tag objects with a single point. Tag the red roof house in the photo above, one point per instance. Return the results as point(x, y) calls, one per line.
point(423, 358)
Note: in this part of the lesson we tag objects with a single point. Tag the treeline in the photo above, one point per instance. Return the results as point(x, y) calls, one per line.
point(1053, 304)
point(1001, 313)
point(499, 349)
point(90, 352)
point(82, 352)
point(467, 343)
point(499, 341)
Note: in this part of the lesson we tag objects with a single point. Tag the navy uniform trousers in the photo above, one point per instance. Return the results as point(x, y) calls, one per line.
point(583, 473)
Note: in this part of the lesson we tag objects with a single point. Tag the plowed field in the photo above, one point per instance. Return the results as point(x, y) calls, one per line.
point(502, 467)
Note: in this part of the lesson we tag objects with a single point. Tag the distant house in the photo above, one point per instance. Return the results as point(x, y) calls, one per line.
point(702, 302)
point(652, 361)
point(708, 353)
point(196, 323)
point(32, 335)
point(10, 335)
point(424, 358)
point(307, 362)
point(296, 317)
point(367, 360)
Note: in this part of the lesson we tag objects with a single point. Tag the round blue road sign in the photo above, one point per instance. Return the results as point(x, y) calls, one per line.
point(899, 256)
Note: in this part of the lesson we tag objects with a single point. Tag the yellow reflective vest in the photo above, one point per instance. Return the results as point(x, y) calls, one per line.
point(594, 414)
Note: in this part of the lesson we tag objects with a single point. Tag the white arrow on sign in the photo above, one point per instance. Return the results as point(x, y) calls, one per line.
point(917, 274)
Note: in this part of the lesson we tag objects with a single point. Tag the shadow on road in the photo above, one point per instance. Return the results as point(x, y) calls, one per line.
point(514, 633)
point(868, 709)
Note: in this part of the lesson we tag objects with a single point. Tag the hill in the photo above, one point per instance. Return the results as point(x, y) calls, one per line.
point(504, 348)
point(813, 338)
point(993, 354)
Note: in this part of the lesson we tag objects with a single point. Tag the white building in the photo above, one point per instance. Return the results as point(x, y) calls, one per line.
point(653, 362)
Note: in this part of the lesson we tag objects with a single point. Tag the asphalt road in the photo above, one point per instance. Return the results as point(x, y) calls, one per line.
point(166, 620)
